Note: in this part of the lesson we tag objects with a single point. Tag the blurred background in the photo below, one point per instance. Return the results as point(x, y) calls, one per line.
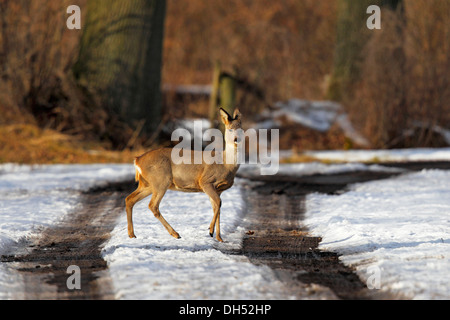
point(308, 67)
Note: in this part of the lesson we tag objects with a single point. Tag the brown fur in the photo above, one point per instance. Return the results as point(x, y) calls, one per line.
point(156, 173)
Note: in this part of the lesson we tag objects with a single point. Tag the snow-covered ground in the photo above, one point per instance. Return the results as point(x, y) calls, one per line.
point(395, 230)
point(157, 266)
point(153, 266)
point(312, 168)
point(393, 155)
point(39, 196)
point(33, 197)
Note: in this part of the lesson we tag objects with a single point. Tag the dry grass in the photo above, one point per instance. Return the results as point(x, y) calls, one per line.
point(404, 81)
point(27, 143)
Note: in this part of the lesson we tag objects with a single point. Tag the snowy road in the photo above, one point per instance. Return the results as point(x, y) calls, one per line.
point(394, 236)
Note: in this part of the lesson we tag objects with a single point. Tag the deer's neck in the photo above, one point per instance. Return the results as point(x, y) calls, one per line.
point(230, 156)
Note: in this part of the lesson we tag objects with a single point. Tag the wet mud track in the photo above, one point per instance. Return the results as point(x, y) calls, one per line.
point(43, 261)
point(277, 238)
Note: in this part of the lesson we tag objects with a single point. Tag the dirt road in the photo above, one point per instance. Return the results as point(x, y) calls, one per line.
point(43, 261)
point(275, 237)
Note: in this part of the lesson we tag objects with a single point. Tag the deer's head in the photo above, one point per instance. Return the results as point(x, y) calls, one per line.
point(233, 127)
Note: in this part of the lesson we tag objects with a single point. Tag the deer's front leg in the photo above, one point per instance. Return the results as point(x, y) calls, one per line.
point(216, 203)
point(216, 220)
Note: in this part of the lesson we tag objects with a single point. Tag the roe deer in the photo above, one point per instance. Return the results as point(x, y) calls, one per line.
point(157, 172)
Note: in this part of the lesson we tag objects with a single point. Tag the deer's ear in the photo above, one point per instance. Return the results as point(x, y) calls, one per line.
point(225, 116)
point(236, 114)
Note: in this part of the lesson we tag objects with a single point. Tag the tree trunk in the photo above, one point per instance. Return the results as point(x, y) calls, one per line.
point(120, 58)
point(352, 35)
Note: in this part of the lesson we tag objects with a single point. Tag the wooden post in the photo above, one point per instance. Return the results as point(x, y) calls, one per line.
point(227, 97)
point(213, 100)
point(227, 92)
point(223, 94)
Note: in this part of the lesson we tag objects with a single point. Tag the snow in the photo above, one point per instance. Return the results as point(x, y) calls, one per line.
point(38, 196)
point(158, 266)
point(395, 232)
point(399, 227)
point(33, 197)
point(391, 155)
point(312, 168)
point(316, 115)
point(196, 127)
point(188, 89)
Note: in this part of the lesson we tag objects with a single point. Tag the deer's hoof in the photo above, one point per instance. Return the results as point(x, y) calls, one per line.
point(176, 235)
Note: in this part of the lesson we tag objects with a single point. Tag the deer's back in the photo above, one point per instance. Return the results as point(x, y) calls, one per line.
point(158, 167)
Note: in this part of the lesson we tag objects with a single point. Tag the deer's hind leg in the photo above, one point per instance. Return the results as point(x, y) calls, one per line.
point(140, 193)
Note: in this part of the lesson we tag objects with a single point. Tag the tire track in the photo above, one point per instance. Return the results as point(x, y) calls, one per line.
point(76, 241)
point(276, 237)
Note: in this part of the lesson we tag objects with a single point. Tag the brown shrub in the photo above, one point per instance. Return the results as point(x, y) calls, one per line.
point(36, 53)
point(405, 89)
